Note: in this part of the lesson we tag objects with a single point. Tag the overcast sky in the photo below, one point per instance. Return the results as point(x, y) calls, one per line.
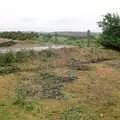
point(54, 15)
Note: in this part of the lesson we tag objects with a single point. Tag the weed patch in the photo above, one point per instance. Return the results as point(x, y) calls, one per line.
point(9, 69)
point(48, 53)
point(77, 113)
point(20, 95)
point(78, 65)
point(46, 85)
point(7, 59)
point(114, 63)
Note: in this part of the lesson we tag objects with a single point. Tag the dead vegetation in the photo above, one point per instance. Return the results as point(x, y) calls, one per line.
point(114, 63)
point(45, 85)
point(60, 84)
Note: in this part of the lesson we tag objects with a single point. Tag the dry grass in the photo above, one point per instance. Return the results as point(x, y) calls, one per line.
point(92, 95)
point(7, 85)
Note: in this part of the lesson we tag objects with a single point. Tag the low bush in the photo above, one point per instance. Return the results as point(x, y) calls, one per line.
point(45, 85)
point(10, 58)
point(20, 95)
point(21, 56)
point(78, 113)
point(7, 59)
point(8, 69)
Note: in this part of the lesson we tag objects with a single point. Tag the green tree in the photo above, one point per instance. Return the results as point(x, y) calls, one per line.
point(111, 31)
point(88, 35)
point(56, 35)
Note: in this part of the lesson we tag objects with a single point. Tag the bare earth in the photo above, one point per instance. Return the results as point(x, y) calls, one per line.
point(28, 45)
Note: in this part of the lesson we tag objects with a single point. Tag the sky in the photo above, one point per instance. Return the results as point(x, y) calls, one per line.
point(54, 15)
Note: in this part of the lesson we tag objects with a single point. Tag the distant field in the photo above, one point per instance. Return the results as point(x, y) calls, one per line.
point(75, 34)
point(80, 42)
point(65, 38)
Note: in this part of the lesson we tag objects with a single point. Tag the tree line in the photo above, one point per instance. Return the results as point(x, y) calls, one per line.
point(19, 35)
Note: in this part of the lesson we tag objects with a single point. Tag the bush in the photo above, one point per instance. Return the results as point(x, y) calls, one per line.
point(78, 113)
point(20, 95)
point(21, 55)
point(8, 69)
point(111, 31)
point(7, 59)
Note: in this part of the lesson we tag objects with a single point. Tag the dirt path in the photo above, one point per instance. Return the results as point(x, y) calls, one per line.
point(35, 48)
point(27, 45)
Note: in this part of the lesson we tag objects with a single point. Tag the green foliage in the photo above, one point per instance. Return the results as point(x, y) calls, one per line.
point(7, 59)
point(68, 40)
point(89, 37)
point(21, 56)
point(56, 36)
point(8, 69)
point(47, 37)
point(5, 115)
point(19, 35)
point(111, 31)
point(20, 95)
point(51, 86)
point(78, 113)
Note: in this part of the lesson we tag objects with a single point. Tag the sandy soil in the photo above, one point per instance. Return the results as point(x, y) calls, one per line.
point(28, 45)
point(35, 47)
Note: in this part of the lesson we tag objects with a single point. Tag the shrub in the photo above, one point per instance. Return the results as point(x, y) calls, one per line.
point(7, 59)
point(21, 56)
point(78, 113)
point(20, 95)
point(111, 31)
point(8, 69)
